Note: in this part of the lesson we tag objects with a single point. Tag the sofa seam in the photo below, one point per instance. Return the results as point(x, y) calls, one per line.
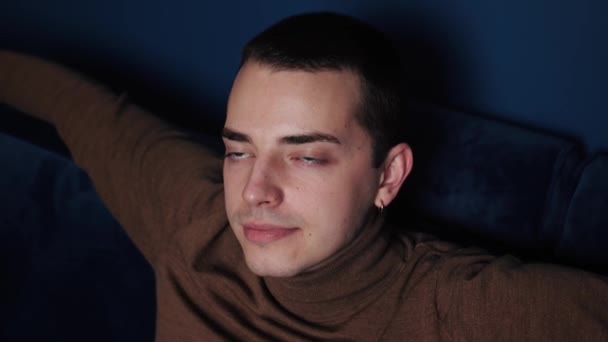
point(573, 191)
point(554, 208)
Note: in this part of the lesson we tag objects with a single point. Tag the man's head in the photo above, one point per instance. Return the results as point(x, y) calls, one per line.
point(329, 41)
point(311, 139)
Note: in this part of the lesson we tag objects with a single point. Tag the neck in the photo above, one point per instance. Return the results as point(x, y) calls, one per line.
point(345, 283)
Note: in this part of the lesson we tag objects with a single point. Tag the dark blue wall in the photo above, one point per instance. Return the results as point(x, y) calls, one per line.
point(537, 62)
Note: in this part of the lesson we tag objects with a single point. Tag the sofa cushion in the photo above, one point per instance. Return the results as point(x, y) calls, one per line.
point(71, 268)
point(585, 235)
point(476, 177)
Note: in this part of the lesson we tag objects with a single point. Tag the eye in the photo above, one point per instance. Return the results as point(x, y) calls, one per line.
point(236, 155)
point(309, 160)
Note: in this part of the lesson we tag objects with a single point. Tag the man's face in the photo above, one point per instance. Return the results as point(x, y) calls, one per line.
point(298, 173)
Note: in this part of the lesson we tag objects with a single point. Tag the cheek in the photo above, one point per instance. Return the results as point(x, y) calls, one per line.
point(335, 201)
point(354, 194)
point(233, 179)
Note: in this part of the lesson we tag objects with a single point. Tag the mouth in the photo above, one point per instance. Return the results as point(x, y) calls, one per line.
point(262, 233)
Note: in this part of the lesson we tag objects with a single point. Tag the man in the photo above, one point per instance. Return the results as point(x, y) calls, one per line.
point(293, 245)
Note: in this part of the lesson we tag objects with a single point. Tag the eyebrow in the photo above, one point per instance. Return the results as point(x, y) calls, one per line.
point(296, 139)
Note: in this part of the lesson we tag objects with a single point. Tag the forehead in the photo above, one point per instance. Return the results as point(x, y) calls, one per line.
point(264, 100)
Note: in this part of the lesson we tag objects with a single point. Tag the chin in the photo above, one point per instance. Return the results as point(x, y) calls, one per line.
point(263, 268)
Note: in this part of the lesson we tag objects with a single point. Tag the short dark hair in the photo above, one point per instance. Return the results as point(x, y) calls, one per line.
point(330, 41)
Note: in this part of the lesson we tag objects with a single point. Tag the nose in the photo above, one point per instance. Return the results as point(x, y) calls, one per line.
point(263, 188)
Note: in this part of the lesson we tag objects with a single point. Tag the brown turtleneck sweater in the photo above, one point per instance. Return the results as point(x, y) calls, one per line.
point(166, 191)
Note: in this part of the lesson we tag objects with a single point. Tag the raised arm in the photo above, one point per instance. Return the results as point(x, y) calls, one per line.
point(153, 178)
point(481, 298)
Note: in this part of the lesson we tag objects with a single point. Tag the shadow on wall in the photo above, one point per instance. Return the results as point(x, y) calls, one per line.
point(432, 64)
point(157, 91)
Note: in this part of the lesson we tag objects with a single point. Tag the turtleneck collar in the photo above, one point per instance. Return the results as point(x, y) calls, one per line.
point(348, 282)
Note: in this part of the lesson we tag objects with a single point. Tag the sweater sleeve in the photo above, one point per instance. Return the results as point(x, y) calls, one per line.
point(153, 178)
point(481, 298)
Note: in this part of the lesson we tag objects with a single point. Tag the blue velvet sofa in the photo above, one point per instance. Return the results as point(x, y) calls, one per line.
point(70, 271)
point(509, 188)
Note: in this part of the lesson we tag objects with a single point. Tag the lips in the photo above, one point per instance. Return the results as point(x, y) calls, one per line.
point(260, 233)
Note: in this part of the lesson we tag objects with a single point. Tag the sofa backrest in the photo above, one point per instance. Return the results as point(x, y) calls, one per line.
point(480, 180)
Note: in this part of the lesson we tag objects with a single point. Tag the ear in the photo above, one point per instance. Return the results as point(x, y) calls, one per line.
point(395, 169)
